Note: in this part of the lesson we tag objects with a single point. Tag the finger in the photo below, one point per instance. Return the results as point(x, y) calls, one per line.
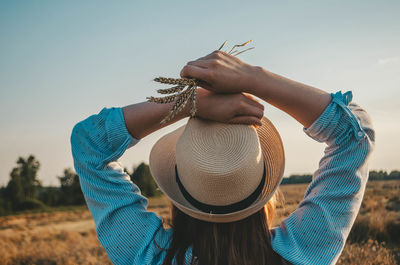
point(249, 110)
point(249, 120)
point(200, 63)
point(249, 99)
point(203, 84)
point(194, 72)
point(210, 55)
point(215, 55)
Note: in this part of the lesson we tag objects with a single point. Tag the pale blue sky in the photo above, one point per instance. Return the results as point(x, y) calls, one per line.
point(63, 61)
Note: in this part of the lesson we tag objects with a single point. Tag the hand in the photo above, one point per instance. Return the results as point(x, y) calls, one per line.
point(222, 73)
point(228, 108)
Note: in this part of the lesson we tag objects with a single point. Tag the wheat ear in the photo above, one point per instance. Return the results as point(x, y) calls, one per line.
point(162, 100)
point(175, 81)
point(180, 103)
point(193, 108)
point(174, 89)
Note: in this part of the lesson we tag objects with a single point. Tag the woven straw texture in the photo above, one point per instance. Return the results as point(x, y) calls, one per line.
point(218, 164)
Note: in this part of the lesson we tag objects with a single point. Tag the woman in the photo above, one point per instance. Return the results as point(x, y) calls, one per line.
point(221, 178)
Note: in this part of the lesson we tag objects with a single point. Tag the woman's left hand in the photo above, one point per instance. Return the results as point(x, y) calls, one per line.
point(228, 108)
point(222, 73)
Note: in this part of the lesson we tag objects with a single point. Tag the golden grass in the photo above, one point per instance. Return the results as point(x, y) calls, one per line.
point(50, 238)
point(52, 247)
point(69, 237)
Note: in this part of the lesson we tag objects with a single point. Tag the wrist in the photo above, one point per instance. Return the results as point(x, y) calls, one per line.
point(258, 80)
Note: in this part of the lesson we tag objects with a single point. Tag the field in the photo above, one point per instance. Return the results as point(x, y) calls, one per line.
point(68, 237)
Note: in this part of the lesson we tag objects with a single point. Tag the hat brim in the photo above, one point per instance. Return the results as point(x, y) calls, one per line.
point(162, 166)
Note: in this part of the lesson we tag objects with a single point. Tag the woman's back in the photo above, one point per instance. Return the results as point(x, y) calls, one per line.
point(315, 233)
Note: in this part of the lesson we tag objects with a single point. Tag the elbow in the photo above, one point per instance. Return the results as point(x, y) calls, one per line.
point(79, 154)
point(361, 161)
point(75, 138)
point(74, 134)
point(367, 126)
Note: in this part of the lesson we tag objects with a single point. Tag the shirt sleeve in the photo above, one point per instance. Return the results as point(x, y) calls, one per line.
point(124, 227)
point(316, 232)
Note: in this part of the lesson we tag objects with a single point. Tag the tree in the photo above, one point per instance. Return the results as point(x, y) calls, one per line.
point(377, 175)
point(71, 193)
point(14, 191)
point(22, 189)
point(5, 205)
point(142, 177)
point(50, 196)
point(296, 179)
point(28, 171)
point(394, 175)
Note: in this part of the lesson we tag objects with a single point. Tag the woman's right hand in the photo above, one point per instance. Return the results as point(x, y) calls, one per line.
point(237, 108)
point(221, 73)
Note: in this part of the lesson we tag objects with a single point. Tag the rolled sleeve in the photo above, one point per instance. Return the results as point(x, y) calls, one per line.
point(341, 114)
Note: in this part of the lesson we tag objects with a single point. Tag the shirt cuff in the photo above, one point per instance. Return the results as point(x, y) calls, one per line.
point(323, 128)
point(117, 133)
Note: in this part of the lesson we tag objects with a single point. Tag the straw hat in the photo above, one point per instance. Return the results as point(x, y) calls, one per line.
point(218, 172)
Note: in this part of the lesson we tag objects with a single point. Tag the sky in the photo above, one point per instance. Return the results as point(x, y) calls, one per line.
point(62, 61)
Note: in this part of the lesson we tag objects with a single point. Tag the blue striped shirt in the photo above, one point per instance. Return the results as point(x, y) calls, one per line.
point(315, 233)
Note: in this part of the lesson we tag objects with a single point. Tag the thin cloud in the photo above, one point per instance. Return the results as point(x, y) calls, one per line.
point(389, 60)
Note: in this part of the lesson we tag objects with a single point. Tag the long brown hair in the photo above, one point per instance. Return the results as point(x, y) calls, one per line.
point(243, 242)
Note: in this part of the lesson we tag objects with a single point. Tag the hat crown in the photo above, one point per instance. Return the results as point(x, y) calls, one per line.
point(217, 163)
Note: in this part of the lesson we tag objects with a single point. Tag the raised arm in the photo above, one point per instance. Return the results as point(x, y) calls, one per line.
point(223, 73)
point(126, 230)
point(316, 232)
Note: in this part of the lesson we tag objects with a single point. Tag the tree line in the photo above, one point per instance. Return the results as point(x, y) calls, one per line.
point(24, 191)
point(373, 175)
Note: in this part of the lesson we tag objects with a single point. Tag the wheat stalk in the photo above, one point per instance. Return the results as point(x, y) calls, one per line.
point(193, 97)
point(179, 104)
point(175, 81)
point(174, 89)
point(161, 100)
point(182, 96)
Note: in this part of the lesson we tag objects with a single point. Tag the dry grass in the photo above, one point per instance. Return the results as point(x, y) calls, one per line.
point(69, 237)
point(367, 253)
point(50, 238)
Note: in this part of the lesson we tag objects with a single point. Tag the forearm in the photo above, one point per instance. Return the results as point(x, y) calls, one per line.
point(144, 118)
point(302, 102)
point(223, 73)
